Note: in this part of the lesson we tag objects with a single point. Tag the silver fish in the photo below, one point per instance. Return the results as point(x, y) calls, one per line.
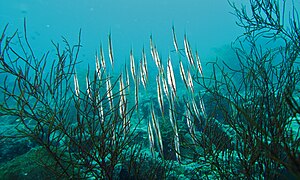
point(165, 86)
point(88, 87)
point(110, 50)
point(98, 67)
point(132, 66)
point(157, 132)
point(76, 85)
point(142, 74)
point(160, 95)
point(171, 77)
point(174, 39)
point(188, 51)
point(102, 59)
point(151, 139)
point(190, 123)
point(109, 92)
point(127, 78)
point(190, 82)
point(182, 74)
point(199, 66)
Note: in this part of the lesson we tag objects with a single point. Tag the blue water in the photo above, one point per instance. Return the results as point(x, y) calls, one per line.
point(209, 25)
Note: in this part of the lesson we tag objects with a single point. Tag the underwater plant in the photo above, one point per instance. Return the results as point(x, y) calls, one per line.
point(232, 124)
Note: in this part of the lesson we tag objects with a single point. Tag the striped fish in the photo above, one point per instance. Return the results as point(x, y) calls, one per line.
point(98, 67)
point(151, 139)
point(132, 66)
point(157, 132)
point(190, 82)
point(171, 77)
point(165, 86)
point(175, 40)
point(110, 51)
point(76, 85)
point(182, 74)
point(88, 87)
point(160, 95)
point(109, 92)
point(199, 66)
point(127, 78)
point(188, 51)
point(102, 59)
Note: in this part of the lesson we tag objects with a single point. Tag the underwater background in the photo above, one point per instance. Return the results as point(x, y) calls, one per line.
point(190, 93)
point(209, 24)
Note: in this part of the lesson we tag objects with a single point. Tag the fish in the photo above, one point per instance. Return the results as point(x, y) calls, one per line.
point(123, 105)
point(202, 107)
point(143, 76)
point(98, 67)
point(145, 68)
point(110, 51)
point(102, 59)
point(165, 86)
point(190, 123)
point(136, 92)
point(188, 51)
point(199, 66)
point(151, 139)
point(132, 66)
point(182, 74)
point(88, 87)
point(177, 145)
point(170, 77)
point(155, 55)
point(174, 39)
point(175, 129)
point(101, 112)
point(157, 132)
point(160, 95)
point(109, 92)
point(76, 85)
point(195, 108)
point(127, 78)
point(190, 82)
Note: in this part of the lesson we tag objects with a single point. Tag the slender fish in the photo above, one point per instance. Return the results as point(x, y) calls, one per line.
point(157, 132)
point(76, 85)
point(170, 77)
point(160, 95)
point(174, 39)
point(110, 50)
